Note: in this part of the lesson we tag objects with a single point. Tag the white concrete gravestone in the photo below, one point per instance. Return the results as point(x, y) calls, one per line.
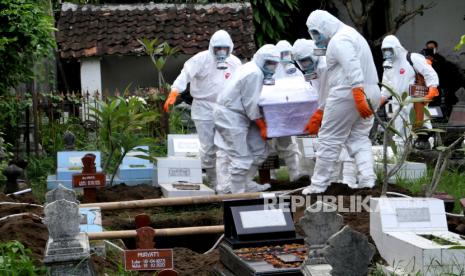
point(67, 250)
point(411, 234)
point(61, 192)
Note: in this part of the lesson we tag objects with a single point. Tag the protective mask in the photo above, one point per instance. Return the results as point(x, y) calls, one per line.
point(221, 56)
point(321, 41)
point(269, 68)
point(388, 56)
point(308, 67)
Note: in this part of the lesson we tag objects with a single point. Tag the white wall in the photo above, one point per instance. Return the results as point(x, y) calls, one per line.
point(444, 23)
point(119, 71)
point(91, 78)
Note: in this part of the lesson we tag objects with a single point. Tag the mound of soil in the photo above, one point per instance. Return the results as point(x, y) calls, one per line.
point(28, 230)
point(123, 192)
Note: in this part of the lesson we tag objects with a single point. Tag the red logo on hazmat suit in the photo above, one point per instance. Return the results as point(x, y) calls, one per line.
point(402, 71)
point(227, 75)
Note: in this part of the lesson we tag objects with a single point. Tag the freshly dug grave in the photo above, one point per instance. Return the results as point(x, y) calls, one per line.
point(28, 230)
point(33, 233)
point(123, 192)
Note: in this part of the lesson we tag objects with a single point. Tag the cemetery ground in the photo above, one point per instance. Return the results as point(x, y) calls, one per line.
point(188, 250)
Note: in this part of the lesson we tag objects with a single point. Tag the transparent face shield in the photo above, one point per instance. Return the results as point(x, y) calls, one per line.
point(388, 56)
point(286, 61)
point(269, 68)
point(221, 54)
point(321, 41)
point(308, 67)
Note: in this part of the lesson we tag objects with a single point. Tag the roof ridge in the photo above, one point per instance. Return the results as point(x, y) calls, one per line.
point(66, 6)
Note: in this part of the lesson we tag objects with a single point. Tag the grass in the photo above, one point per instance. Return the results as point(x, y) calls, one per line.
point(452, 182)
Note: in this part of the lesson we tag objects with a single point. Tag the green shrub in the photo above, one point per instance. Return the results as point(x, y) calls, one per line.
point(15, 260)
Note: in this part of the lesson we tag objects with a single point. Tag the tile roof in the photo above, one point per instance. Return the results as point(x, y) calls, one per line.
point(98, 30)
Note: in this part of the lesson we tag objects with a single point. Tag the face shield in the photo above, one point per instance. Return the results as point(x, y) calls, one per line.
point(388, 56)
point(308, 67)
point(286, 61)
point(221, 54)
point(321, 41)
point(269, 68)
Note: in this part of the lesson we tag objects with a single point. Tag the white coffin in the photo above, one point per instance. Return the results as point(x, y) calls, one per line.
point(179, 170)
point(287, 106)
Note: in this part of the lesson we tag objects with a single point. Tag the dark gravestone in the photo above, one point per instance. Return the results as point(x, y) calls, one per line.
point(12, 172)
point(69, 140)
point(320, 221)
point(349, 253)
point(457, 116)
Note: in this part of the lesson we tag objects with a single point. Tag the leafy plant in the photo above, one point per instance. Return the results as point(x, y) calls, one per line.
point(15, 260)
point(271, 19)
point(460, 44)
point(441, 165)
point(159, 53)
point(122, 124)
point(410, 133)
point(26, 34)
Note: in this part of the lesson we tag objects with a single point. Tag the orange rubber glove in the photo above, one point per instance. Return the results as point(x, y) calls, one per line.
point(262, 126)
point(170, 100)
point(313, 125)
point(432, 92)
point(361, 103)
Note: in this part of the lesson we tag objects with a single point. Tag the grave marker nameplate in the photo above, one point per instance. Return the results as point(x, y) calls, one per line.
point(148, 259)
point(89, 179)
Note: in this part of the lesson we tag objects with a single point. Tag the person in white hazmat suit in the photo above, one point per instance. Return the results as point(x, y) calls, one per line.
point(315, 70)
point(398, 74)
point(207, 72)
point(352, 81)
point(286, 147)
point(240, 128)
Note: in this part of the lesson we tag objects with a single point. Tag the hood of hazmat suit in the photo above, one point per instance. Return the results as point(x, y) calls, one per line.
point(350, 66)
point(237, 135)
point(316, 73)
point(286, 67)
point(401, 74)
point(206, 80)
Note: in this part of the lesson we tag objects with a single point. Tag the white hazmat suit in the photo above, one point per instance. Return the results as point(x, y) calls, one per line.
point(400, 76)
point(351, 81)
point(303, 49)
point(237, 135)
point(286, 147)
point(206, 83)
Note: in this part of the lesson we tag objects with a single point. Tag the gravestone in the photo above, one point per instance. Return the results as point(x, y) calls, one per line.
point(349, 253)
point(61, 192)
point(457, 116)
point(12, 172)
point(67, 251)
point(320, 221)
point(69, 140)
